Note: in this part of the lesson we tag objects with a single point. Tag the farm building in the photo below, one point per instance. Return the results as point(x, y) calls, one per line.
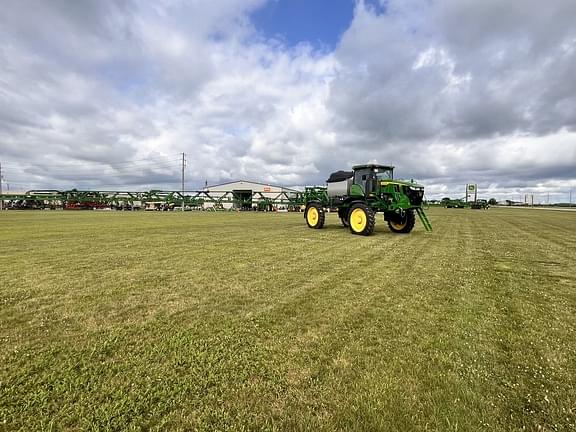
point(248, 195)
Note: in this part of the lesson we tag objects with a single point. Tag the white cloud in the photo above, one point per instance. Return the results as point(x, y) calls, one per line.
point(449, 92)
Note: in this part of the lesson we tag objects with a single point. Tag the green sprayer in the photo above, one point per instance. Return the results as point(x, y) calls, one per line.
point(359, 194)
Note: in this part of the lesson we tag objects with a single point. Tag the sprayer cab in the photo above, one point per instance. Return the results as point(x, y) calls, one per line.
point(364, 179)
point(370, 176)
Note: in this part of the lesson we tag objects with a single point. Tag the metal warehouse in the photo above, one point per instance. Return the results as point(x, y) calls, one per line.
point(249, 195)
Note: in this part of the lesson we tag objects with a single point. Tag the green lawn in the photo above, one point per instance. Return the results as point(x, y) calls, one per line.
point(172, 321)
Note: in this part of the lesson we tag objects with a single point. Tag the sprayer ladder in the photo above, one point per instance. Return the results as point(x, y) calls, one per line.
point(424, 219)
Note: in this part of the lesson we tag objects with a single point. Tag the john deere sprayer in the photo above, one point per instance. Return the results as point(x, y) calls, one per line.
point(359, 194)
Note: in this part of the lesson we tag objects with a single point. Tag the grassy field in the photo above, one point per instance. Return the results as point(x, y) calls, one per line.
point(171, 321)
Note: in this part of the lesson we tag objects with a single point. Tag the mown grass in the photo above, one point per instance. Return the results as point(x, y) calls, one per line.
point(171, 321)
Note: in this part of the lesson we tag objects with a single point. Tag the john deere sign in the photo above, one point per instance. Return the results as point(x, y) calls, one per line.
point(471, 189)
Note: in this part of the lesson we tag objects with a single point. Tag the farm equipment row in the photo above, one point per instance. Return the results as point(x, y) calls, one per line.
point(152, 200)
point(479, 204)
point(356, 195)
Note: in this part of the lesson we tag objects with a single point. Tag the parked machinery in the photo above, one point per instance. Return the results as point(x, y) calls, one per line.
point(359, 194)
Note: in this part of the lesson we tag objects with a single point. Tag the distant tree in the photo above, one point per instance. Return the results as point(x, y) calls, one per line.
point(445, 199)
point(492, 201)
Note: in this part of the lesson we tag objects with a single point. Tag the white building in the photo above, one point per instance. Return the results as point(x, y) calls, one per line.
point(248, 195)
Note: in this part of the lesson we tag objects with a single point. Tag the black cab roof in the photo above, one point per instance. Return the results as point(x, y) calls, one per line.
point(372, 166)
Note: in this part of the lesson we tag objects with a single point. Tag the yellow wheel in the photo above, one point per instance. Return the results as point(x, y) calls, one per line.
point(314, 215)
point(361, 219)
point(398, 226)
point(402, 222)
point(358, 220)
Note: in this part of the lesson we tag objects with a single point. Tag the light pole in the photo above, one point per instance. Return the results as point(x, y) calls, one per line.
point(1, 199)
point(183, 165)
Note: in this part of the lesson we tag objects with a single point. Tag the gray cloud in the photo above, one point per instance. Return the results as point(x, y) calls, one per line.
point(449, 92)
point(473, 70)
point(445, 89)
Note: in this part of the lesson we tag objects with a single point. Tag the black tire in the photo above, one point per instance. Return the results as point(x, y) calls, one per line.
point(402, 223)
point(361, 219)
point(314, 215)
point(343, 215)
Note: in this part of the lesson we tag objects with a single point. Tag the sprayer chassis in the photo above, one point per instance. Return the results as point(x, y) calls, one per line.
point(358, 195)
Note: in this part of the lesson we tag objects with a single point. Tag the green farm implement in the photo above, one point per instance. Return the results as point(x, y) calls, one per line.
point(456, 203)
point(359, 194)
point(480, 204)
point(151, 200)
point(460, 203)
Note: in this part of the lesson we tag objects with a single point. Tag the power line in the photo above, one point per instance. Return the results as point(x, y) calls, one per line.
point(139, 160)
point(61, 176)
point(104, 166)
point(115, 169)
point(85, 162)
point(95, 170)
point(41, 171)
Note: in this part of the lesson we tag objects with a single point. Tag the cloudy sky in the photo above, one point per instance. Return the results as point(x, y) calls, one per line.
point(106, 94)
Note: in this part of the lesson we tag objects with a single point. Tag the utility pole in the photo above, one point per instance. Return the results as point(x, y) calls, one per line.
point(183, 165)
point(1, 200)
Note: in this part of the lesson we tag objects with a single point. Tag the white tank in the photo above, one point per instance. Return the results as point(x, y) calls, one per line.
point(341, 188)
